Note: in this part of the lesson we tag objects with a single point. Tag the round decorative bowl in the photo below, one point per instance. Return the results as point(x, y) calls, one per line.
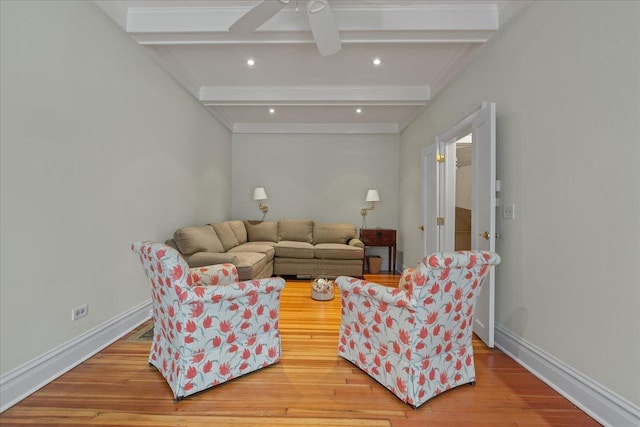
point(322, 289)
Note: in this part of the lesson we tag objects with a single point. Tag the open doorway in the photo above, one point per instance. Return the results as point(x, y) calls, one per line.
point(440, 202)
point(464, 181)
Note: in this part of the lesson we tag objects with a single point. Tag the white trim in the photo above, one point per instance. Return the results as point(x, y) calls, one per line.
point(305, 95)
point(20, 382)
point(597, 401)
point(320, 128)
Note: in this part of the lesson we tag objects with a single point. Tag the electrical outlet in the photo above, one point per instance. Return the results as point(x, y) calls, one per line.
point(79, 312)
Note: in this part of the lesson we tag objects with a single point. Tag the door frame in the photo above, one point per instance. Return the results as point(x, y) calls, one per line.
point(445, 197)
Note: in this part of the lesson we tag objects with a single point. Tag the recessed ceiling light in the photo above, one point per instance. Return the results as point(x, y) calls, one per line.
point(359, 110)
point(251, 62)
point(376, 61)
point(272, 110)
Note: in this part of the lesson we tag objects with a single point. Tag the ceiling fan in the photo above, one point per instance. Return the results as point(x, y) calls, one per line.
point(321, 19)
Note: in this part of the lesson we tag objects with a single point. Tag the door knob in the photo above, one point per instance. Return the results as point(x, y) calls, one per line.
point(484, 235)
point(421, 227)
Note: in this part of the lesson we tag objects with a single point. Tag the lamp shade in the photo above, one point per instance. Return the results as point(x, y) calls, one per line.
point(259, 194)
point(372, 196)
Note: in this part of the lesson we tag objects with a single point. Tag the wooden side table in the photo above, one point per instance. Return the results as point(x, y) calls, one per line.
point(381, 237)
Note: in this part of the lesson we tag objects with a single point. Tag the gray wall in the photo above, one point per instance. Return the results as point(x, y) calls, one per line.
point(565, 77)
point(320, 177)
point(99, 148)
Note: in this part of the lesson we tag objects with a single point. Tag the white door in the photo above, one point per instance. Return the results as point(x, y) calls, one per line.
point(430, 200)
point(439, 201)
point(483, 219)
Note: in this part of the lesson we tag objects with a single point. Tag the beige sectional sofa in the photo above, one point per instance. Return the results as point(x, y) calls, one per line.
point(261, 249)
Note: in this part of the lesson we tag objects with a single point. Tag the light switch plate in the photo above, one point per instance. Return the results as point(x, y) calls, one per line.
point(509, 211)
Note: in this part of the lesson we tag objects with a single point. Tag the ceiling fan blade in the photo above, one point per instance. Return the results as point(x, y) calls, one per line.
point(324, 27)
point(257, 16)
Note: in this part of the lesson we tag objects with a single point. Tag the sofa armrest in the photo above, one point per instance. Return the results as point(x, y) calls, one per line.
point(201, 259)
point(219, 274)
point(357, 243)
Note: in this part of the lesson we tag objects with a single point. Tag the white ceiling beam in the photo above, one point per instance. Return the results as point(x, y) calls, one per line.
point(437, 17)
point(347, 37)
point(317, 128)
point(321, 95)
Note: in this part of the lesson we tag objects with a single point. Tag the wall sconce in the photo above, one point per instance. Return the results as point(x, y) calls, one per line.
point(259, 194)
point(372, 197)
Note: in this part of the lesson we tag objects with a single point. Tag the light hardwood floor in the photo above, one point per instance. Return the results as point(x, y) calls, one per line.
point(309, 386)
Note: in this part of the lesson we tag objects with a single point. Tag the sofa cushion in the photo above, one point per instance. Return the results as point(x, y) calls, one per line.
point(266, 248)
point(333, 233)
point(239, 230)
point(289, 249)
point(337, 251)
point(226, 236)
point(296, 230)
point(250, 264)
point(190, 240)
point(262, 231)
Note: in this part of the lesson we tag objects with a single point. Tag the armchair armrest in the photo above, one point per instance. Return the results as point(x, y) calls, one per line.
point(215, 294)
point(371, 290)
point(219, 274)
point(406, 280)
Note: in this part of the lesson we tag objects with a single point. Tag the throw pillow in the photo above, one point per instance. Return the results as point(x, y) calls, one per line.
point(239, 230)
point(262, 231)
point(333, 233)
point(190, 240)
point(296, 230)
point(226, 236)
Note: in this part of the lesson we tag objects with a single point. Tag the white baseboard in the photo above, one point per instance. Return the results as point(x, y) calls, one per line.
point(19, 383)
point(597, 401)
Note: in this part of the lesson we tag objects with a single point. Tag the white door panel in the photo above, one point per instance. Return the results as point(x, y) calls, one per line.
point(430, 194)
point(483, 221)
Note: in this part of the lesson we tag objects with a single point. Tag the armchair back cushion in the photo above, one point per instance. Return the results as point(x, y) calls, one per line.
point(206, 335)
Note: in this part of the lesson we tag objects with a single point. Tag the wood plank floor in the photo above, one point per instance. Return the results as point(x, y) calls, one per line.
point(310, 386)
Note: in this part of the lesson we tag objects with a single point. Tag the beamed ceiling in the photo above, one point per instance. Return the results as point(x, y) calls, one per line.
point(422, 45)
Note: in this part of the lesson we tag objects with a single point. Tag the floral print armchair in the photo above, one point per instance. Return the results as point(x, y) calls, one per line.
point(208, 327)
point(416, 340)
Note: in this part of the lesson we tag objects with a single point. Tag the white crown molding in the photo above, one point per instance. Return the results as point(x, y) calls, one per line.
point(509, 9)
point(167, 61)
point(222, 117)
point(327, 95)
point(116, 10)
point(19, 383)
point(315, 128)
point(596, 400)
